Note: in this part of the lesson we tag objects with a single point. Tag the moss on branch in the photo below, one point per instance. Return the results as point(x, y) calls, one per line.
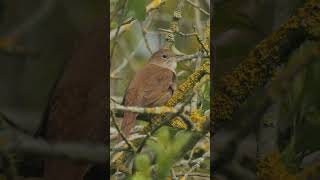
point(179, 95)
point(261, 63)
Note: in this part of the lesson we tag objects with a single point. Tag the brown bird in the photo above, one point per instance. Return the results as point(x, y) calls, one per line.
point(152, 86)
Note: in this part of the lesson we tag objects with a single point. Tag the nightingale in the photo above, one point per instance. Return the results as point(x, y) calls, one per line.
point(151, 86)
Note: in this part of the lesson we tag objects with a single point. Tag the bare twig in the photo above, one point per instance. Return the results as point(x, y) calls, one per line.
point(197, 162)
point(201, 42)
point(118, 28)
point(145, 38)
point(35, 18)
point(119, 68)
point(193, 56)
point(130, 145)
point(144, 110)
point(168, 119)
point(123, 28)
point(194, 175)
point(174, 25)
point(198, 7)
point(8, 165)
point(21, 143)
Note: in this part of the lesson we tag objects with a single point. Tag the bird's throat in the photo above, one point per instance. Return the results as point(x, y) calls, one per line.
point(167, 65)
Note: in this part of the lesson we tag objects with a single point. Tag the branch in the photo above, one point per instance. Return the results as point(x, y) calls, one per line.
point(174, 25)
point(258, 68)
point(262, 62)
point(142, 110)
point(21, 143)
point(198, 7)
point(129, 144)
point(193, 56)
point(178, 96)
point(122, 28)
point(118, 28)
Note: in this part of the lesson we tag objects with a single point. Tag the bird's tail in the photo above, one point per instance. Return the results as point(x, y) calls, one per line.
point(129, 119)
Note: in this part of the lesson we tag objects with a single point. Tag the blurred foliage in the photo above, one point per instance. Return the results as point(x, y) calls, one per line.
point(136, 8)
point(239, 26)
point(165, 150)
point(301, 108)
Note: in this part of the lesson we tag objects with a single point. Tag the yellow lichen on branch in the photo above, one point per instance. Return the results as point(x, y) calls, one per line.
point(197, 119)
point(261, 63)
point(271, 167)
point(180, 94)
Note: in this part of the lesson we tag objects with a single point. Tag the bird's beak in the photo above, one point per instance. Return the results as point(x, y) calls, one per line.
point(177, 53)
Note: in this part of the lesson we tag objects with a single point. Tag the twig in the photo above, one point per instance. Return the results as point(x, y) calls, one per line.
point(142, 110)
point(201, 41)
point(168, 119)
point(8, 165)
point(145, 38)
point(195, 175)
point(123, 28)
point(197, 163)
point(174, 25)
point(193, 56)
point(186, 120)
point(118, 29)
point(120, 149)
point(194, 101)
point(21, 143)
point(35, 18)
point(119, 68)
point(179, 33)
point(198, 7)
point(130, 145)
point(173, 174)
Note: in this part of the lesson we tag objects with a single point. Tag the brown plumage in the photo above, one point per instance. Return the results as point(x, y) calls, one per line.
point(152, 86)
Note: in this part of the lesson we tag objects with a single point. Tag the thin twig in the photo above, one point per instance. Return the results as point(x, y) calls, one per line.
point(197, 162)
point(8, 165)
point(34, 19)
point(145, 38)
point(144, 110)
point(194, 175)
point(193, 56)
point(18, 142)
point(198, 7)
point(130, 145)
point(174, 25)
point(201, 41)
point(123, 27)
point(118, 28)
point(119, 68)
point(168, 119)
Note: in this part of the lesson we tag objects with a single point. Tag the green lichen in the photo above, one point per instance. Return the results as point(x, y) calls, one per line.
point(271, 167)
point(179, 95)
point(261, 63)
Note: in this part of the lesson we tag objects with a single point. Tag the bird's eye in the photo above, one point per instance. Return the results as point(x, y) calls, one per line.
point(164, 56)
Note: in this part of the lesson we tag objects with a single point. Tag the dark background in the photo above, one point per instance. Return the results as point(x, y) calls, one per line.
point(37, 39)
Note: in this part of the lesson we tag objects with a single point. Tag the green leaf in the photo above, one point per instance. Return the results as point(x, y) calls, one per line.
point(142, 162)
point(137, 8)
point(143, 168)
point(113, 25)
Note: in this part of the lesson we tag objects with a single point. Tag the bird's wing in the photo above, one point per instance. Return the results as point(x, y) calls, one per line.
point(157, 87)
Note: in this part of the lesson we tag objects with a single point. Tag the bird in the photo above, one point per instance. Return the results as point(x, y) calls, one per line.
point(151, 86)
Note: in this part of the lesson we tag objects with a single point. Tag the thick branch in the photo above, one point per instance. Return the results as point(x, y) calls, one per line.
point(261, 63)
point(21, 143)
